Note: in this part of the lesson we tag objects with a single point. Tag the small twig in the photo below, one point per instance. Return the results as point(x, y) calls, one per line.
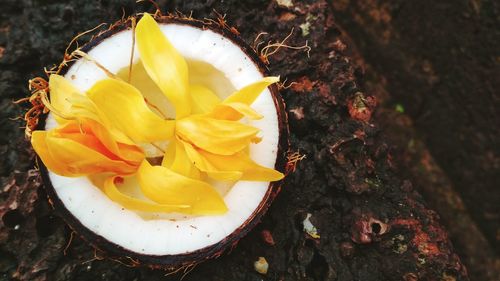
point(80, 35)
point(132, 51)
point(156, 108)
point(174, 271)
point(94, 258)
point(188, 270)
point(69, 242)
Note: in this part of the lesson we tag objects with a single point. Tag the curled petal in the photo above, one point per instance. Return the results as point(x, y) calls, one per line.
point(167, 187)
point(61, 90)
point(249, 93)
point(169, 156)
point(75, 155)
point(237, 105)
point(235, 111)
point(140, 79)
point(240, 163)
point(216, 136)
point(67, 103)
point(177, 160)
point(164, 64)
point(203, 99)
point(124, 106)
point(205, 166)
point(131, 203)
point(84, 160)
point(40, 146)
point(66, 100)
point(124, 151)
point(82, 107)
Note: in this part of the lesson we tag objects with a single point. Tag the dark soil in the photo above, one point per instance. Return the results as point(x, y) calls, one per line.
point(440, 61)
point(373, 225)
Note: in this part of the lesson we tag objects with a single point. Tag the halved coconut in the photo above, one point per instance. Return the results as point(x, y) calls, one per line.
point(220, 60)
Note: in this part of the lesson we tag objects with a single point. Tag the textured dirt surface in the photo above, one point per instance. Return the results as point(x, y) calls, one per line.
point(440, 61)
point(373, 225)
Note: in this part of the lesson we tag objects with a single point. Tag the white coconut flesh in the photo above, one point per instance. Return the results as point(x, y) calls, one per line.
point(215, 62)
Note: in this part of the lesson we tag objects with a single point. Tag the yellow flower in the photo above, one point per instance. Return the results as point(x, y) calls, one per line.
point(102, 132)
point(84, 148)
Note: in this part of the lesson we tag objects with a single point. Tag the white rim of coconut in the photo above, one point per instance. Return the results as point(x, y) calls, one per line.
point(157, 234)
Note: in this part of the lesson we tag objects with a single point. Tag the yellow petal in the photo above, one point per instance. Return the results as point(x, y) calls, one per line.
point(60, 91)
point(167, 187)
point(215, 165)
point(126, 109)
point(40, 146)
point(69, 101)
point(169, 156)
point(249, 93)
point(84, 160)
point(130, 153)
point(178, 161)
point(85, 110)
point(83, 107)
point(205, 166)
point(242, 162)
point(140, 79)
point(164, 64)
point(131, 203)
point(75, 155)
point(234, 111)
point(203, 99)
point(216, 136)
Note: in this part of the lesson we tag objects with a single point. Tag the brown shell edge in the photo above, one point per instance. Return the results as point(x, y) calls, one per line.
point(185, 261)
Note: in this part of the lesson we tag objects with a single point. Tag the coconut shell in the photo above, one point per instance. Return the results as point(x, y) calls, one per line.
point(173, 262)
